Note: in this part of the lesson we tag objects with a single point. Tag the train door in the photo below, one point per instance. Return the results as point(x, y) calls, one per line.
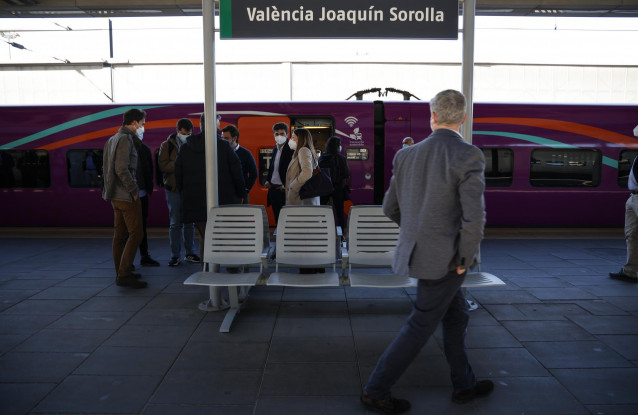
point(255, 134)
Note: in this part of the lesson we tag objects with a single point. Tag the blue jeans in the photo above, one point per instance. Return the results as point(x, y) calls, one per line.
point(436, 301)
point(175, 230)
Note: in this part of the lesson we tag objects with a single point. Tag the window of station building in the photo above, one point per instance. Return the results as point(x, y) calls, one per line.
point(84, 167)
point(24, 168)
point(565, 167)
point(624, 166)
point(499, 167)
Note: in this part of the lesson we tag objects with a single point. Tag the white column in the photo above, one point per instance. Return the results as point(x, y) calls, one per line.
point(208, 12)
point(469, 10)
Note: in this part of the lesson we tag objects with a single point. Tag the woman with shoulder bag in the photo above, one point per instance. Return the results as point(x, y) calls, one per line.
point(340, 173)
point(302, 164)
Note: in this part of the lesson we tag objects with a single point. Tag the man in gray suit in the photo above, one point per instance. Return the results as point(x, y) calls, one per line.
point(436, 196)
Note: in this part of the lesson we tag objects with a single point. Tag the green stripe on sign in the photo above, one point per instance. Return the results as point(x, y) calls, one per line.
point(70, 124)
point(225, 19)
point(543, 141)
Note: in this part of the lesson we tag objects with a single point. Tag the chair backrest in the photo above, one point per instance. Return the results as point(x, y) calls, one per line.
point(236, 235)
point(306, 235)
point(372, 236)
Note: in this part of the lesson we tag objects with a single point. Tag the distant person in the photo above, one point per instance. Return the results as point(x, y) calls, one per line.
point(436, 196)
point(304, 160)
point(279, 161)
point(230, 133)
point(7, 178)
point(144, 176)
point(190, 178)
point(629, 271)
point(339, 173)
point(120, 163)
point(167, 155)
point(407, 142)
point(90, 166)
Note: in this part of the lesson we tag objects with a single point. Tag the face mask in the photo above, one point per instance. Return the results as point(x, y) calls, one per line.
point(292, 145)
point(280, 139)
point(140, 132)
point(406, 145)
point(182, 137)
point(636, 131)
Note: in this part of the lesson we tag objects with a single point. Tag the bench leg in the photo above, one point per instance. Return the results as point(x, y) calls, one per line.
point(214, 302)
point(233, 296)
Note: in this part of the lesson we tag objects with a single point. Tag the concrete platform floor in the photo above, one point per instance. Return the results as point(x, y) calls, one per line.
point(561, 338)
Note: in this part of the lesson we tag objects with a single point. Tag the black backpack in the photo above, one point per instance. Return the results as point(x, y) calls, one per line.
point(159, 176)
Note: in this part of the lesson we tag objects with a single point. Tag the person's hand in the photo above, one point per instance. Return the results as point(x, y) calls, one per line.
point(460, 271)
point(241, 201)
point(267, 185)
point(135, 197)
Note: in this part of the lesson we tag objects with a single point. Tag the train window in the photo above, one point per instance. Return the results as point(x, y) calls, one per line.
point(24, 168)
point(361, 154)
point(499, 167)
point(565, 167)
point(84, 167)
point(624, 165)
point(320, 128)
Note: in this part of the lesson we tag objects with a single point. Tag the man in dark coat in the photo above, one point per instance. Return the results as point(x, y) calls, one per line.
point(190, 178)
point(230, 133)
point(144, 176)
point(279, 161)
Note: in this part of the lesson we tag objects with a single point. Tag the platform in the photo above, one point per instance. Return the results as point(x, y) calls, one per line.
point(560, 338)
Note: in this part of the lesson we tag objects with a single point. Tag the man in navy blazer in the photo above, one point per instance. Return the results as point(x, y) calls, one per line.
point(436, 197)
point(279, 161)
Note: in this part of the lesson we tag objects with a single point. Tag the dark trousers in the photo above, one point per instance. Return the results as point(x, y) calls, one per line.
point(337, 207)
point(436, 301)
point(144, 242)
point(277, 199)
point(201, 230)
point(127, 235)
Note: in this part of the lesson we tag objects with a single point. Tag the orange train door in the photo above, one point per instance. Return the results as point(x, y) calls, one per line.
point(256, 135)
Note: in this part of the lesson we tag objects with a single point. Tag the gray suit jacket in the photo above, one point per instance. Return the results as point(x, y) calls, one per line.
point(436, 197)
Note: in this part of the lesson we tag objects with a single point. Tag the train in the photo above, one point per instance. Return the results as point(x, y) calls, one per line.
point(547, 165)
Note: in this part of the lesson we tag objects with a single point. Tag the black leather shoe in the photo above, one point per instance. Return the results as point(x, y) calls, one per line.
point(388, 405)
point(130, 282)
point(482, 388)
point(622, 277)
point(147, 261)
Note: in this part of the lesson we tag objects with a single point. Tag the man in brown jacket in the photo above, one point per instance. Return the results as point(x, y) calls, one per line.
point(120, 162)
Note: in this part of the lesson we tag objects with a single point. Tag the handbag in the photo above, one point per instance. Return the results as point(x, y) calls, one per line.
point(319, 184)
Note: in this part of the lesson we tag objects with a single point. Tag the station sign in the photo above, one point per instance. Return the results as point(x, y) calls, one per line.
point(330, 19)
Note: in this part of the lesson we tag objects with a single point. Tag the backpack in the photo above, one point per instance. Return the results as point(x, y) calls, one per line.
point(159, 176)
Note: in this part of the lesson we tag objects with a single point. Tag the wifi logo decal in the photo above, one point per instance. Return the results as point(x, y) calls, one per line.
point(351, 121)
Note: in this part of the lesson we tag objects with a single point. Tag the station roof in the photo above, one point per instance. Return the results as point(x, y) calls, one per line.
point(128, 8)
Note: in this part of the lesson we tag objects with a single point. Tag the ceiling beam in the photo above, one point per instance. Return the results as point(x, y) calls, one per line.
point(122, 8)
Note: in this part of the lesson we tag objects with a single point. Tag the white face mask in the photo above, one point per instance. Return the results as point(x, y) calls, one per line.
point(280, 139)
point(182, 137)
point(140, 133)
point(406, 145)
point(292, 145)
point(636, 131)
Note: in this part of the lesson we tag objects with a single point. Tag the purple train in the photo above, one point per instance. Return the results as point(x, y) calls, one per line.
point(546, 165)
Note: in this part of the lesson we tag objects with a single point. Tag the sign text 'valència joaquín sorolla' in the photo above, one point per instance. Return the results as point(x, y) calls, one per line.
point(412, 19)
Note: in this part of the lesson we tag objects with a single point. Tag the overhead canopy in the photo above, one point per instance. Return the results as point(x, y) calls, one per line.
point(128, 8)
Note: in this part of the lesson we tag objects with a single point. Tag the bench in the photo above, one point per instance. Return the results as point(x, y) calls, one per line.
point(306, 237)
point(236, 236)
point(372, 238)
